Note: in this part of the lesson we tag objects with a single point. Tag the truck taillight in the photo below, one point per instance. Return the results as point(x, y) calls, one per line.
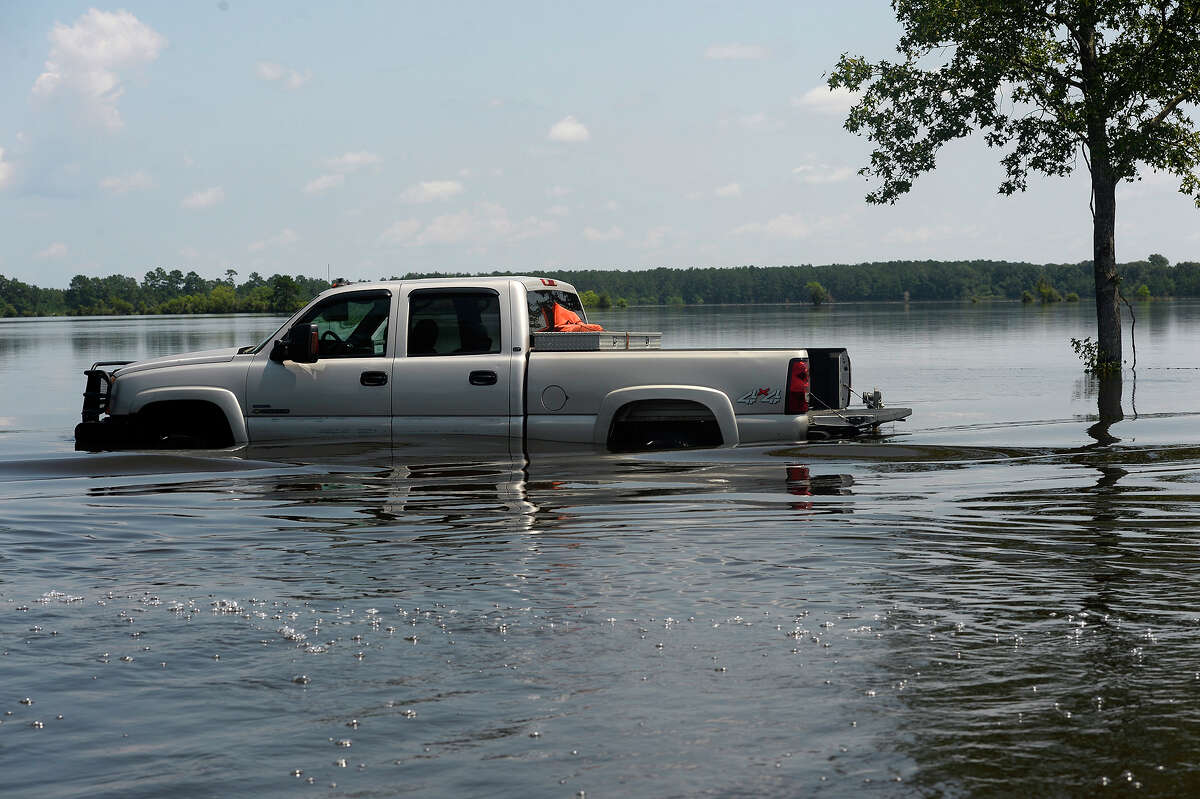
point(797, 386)
point(315, 341)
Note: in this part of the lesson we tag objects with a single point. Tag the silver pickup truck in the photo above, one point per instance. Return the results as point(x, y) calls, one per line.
point(398, 359)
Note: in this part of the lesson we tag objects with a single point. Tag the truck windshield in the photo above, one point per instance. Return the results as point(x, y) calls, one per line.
point(541, 307)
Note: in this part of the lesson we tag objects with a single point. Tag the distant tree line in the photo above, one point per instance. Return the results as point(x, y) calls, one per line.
point(160, 292)
point(176, 292)
point(887, 281)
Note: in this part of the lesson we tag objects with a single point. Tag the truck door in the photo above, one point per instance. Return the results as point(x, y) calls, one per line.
point(345, 394)
point(452, 375)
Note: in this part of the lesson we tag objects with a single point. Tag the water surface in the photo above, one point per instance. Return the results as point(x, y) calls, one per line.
point(995, 599)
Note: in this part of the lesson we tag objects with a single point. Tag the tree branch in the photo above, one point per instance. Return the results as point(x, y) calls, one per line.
point(1050, 74)
point(1165, 25)
point(1171, 105)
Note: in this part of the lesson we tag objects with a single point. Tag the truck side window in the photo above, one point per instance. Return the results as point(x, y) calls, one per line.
point(541, 307)
point(352, 325)
point(453, 322)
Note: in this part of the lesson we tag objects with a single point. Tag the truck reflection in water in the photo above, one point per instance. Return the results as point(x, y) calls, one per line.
point(802, 483)
point(461, 490)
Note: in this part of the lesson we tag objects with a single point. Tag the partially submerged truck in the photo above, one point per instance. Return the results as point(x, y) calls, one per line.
point(470, 356)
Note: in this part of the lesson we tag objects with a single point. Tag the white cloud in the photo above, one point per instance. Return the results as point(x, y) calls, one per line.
point(205, 198)
point(558, 210)
point(285, 76)
point(792, 226)
point(55, 250)
point(6, 170)
point(85, 59)
point(759, 123)
point(595, 234)
point(281, 239)
point(450, 229)
point(824, 100)
point(531, 227)
point(612, 205)
point(124, 184)
point(927, 233)
point(486, 224)
point(816, 174)
point(557, 191)
point(351, 162)
point(324, 183)
point(466, 172)
point(736, 52)
point(191, 253)
point(568, 129)
point(400, 231)
point(655, 237)
point(730, 191)
point(431, 191)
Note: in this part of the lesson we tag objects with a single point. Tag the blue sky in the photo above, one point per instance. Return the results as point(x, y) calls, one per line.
point(388, 137)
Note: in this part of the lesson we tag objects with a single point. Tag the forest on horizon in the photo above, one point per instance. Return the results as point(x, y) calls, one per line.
point(176, 292)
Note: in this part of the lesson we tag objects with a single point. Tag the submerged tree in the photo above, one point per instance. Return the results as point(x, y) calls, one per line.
point(1046, 81)
point(817, 294)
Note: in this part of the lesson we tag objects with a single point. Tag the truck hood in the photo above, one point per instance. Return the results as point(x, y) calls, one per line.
point(186, 359)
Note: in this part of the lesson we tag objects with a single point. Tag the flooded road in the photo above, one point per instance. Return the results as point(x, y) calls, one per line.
point(999, 598)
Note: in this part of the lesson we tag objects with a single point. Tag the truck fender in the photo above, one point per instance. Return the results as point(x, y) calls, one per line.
point(716, 402)
point(223, 398)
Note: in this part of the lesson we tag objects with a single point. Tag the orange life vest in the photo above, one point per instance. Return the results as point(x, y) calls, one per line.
point(566, 321)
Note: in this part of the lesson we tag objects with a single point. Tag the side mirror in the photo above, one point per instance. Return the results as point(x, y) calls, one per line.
point(301, 344)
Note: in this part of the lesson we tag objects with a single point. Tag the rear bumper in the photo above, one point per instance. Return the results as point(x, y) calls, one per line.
point(847, 422)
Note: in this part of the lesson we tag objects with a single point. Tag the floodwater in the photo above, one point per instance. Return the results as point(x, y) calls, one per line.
point(1001, 597)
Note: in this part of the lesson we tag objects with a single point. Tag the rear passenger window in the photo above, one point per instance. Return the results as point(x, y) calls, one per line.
point(541, 308)
point(453, 322)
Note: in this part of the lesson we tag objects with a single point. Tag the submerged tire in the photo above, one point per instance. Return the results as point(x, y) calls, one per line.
point(183, 424)
point(663, 424)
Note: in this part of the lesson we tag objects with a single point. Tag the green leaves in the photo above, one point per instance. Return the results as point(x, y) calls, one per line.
point(1042, 81)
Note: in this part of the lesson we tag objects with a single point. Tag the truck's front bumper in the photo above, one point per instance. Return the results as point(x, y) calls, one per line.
point(93, 434)
point(107, 434)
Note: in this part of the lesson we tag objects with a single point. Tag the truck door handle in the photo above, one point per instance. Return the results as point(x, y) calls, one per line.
point(483, 378)
point(373, 378)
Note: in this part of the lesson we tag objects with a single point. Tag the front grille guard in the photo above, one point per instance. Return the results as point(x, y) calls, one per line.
point(96, 392)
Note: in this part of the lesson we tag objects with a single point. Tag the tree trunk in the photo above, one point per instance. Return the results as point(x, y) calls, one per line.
point(1108, 309)
point(1104, 192)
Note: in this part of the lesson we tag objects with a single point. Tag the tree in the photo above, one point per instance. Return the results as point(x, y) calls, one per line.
point(1046, 291)
point(193, 284)
point(817, 294)
point(1046, 80)
point(285, 295)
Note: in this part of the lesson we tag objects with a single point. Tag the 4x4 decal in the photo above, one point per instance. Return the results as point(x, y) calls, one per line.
point(764, 396)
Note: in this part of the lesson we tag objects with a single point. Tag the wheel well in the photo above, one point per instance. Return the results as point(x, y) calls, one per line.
point(663, 424)
point(183, 424)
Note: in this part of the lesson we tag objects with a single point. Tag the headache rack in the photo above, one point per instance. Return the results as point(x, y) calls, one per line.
point(95, 393)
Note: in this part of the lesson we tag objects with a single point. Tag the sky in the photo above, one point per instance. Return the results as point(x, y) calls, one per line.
point(370, 139)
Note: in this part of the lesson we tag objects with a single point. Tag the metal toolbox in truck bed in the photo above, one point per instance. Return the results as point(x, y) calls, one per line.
point(596, 340)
